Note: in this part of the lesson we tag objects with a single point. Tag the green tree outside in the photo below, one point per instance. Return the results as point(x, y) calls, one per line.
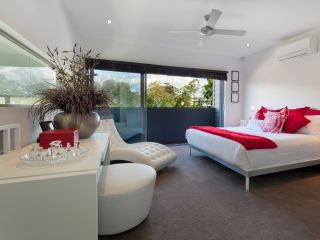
point(190, 95)
point(120, 93)
point(208, 91)
point(159, 94)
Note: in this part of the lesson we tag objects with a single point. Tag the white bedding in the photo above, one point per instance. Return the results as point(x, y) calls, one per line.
point(292, 148)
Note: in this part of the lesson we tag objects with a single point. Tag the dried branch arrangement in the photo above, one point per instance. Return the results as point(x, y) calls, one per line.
point(74, 92)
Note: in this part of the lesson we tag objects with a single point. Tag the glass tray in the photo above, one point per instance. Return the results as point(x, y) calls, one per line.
point(43, 159)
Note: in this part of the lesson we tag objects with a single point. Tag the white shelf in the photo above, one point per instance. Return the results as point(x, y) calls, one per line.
point(11, 169)
point(7, 137)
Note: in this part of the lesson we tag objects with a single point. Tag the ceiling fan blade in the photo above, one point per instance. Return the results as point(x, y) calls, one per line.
point(230, 32)
point(203, 40)
point(213, 17)
point(184, 31)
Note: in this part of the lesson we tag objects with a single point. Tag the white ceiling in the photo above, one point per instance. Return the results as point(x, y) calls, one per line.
point(147, 22)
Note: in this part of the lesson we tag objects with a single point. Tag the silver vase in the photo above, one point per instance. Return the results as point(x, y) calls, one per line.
point(86, 124)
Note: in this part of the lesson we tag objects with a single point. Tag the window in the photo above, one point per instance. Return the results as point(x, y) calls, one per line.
point(124, 89)
point(21, 73)
point(158, 103)
point(174, 91)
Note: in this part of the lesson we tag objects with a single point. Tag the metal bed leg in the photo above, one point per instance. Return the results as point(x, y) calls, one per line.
point(190, 149)
point(247, 184)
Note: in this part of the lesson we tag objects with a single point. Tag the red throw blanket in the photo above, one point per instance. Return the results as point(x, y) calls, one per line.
point(247, 140)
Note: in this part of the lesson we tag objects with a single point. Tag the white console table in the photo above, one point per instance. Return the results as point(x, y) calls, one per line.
point(53, 202)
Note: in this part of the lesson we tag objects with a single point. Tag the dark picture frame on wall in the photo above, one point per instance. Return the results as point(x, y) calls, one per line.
point(234, 97)
point(234, 75)
point(235, 86)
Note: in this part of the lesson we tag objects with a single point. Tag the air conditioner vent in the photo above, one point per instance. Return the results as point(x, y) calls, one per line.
point(297, 49)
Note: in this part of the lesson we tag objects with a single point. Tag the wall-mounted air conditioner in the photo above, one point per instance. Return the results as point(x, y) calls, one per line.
point(303, 47)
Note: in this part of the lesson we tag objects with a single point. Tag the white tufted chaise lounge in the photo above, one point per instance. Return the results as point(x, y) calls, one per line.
point(153, 154)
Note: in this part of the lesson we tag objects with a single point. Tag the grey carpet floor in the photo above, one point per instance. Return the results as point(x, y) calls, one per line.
point(197, 198)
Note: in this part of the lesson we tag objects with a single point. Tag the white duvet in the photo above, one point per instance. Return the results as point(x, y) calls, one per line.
point(292, 148)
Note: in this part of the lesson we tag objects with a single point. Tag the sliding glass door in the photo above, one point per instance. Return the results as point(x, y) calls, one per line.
point(158, 103)
point(175, 103)
point(127, 106)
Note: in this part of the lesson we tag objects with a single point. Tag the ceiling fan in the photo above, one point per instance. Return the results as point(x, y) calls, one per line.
point(210, 29)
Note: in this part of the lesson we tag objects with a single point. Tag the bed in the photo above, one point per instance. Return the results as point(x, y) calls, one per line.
point(293, 151)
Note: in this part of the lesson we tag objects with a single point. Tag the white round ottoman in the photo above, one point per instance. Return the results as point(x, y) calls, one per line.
point(125, 196)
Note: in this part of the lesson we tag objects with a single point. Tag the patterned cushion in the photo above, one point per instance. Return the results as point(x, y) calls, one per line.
point(274, 121)
point(255, 124)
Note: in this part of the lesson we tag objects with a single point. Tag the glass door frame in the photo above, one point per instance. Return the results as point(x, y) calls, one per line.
point(144, 69)
point(143, 88)
point(142, 95)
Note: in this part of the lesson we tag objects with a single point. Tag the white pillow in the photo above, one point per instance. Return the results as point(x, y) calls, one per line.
point(255, 124)
point(312, 128)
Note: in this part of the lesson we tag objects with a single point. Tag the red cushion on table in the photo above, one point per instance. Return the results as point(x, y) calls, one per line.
point(64, 135)
point(310, 111)
point(294, 121)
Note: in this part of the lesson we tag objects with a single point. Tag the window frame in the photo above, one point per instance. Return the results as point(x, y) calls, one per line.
point(21, 42)
point(145, 69)
point(142, 70)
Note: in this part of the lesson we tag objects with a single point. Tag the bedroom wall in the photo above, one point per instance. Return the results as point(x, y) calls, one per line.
point(42, 23)
point(275, 84)
point(164, 55)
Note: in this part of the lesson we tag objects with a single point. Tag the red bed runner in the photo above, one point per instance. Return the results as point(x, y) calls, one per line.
point(247, 140)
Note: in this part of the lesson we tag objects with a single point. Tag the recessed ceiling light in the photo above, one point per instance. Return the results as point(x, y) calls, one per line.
point(109, 21)
point(247, 44)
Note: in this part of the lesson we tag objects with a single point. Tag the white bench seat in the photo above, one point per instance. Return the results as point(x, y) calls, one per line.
point(125, 196)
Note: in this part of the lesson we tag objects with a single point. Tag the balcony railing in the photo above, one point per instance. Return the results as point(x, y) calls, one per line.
point(168, 125)
point(163, 125)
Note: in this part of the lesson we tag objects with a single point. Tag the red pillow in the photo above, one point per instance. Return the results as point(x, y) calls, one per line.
point(260, 114)
point(294, 121)
point(303, 110)
point(310, 111)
